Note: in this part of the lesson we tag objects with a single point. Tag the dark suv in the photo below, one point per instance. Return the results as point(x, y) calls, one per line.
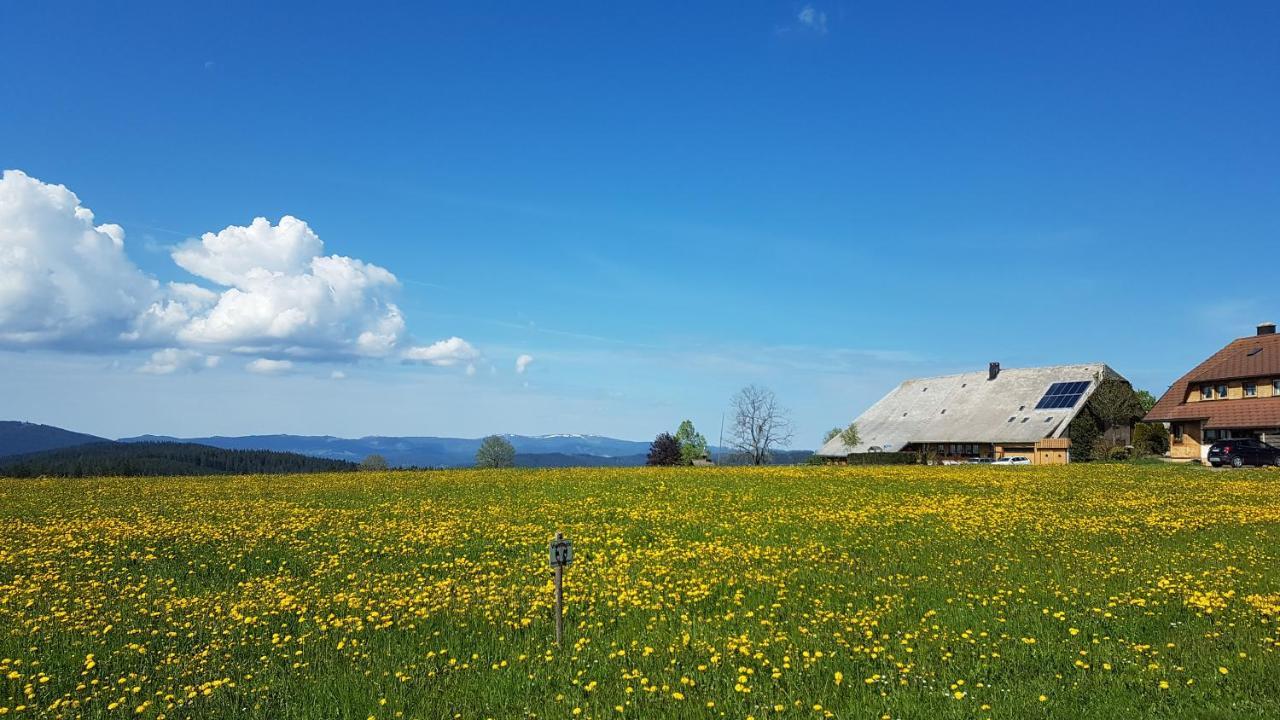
point(1243, 451)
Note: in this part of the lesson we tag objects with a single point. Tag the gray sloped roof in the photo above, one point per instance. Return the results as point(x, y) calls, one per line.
point(977, 410)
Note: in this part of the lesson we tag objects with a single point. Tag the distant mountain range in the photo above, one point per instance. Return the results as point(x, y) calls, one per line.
point(565, 450)
point(559, 450)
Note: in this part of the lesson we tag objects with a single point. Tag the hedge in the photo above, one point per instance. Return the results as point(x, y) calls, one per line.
point(884, 458)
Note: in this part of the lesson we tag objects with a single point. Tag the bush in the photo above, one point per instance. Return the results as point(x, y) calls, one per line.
point(373, 462)
point(1116, 454)
point(1151, 438)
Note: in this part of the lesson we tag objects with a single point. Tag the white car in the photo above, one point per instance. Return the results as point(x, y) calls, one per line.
point(1015, 460)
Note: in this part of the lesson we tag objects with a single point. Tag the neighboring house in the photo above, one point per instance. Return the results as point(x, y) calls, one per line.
point(1235, 393)
point(999, 413)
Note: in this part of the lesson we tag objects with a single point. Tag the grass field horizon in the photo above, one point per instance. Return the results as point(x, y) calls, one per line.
point(1090, 591)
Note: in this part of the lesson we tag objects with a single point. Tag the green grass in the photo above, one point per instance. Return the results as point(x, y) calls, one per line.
point(963, 592)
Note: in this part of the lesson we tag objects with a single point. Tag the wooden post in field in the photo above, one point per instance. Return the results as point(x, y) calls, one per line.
point(561, 554)
point(559, 604)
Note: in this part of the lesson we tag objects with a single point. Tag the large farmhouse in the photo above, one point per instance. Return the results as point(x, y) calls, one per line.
point(998, 413)
point(1233, 394)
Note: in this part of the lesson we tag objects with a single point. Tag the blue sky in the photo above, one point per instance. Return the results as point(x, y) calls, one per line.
point(657, 203)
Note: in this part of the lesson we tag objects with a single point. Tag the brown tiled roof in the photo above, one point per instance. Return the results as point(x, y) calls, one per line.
point(1225, 414)
point(1254, 356)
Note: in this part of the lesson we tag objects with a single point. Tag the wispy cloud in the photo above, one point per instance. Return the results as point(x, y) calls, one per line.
point(171, 360)
point(813, 19)
point(265, 366)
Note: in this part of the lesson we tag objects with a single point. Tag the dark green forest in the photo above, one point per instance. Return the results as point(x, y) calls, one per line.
point(109, 458)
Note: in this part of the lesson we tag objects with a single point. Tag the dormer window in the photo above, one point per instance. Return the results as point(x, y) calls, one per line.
point(1275, 388)
point(1222, 392)
point(1251, 389)
point(1206, 392)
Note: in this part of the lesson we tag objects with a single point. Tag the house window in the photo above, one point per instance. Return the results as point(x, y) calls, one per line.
point(1177, 432)
point(1251, 389)
point(1222, 392)
point(1206, 392)
point(1275, 387)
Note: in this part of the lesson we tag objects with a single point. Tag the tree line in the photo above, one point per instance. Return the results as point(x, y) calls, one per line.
point(162, 459)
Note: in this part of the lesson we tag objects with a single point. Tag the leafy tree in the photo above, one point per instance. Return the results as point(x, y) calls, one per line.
point(374, 462)
point(1146, 400)
point(1113, 404)
point(495, 452)
point(830, 434)
point(849, 436)
point(665, 450)
point(759, 423)
point(692, 444)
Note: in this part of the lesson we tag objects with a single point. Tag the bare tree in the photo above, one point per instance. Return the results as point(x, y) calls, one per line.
point(758, 423)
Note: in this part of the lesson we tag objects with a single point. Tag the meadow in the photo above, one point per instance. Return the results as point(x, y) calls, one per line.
point(1079, 591)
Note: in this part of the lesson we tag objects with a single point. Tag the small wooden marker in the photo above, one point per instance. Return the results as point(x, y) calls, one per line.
point(561, 554)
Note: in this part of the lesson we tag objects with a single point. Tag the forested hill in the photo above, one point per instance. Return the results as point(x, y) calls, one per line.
point(21, 438)
point(108, 458)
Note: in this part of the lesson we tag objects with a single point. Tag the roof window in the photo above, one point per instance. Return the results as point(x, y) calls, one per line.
point(1254, 351)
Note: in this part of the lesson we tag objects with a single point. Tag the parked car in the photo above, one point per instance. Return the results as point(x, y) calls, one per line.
point(980, 461)
point(1239, 452)
point(1015, 460)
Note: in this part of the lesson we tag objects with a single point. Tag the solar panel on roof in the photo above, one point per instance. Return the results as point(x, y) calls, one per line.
point(1062, 395)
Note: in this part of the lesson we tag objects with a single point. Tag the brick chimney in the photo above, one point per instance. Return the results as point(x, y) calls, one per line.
point(1267, 328)
point(993, 370)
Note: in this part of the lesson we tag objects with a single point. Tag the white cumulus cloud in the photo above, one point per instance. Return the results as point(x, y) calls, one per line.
point(444, 353)
point(261, 289)
point(63, 280)
point(236, 252)
point(523, 362)
point(283, 297)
